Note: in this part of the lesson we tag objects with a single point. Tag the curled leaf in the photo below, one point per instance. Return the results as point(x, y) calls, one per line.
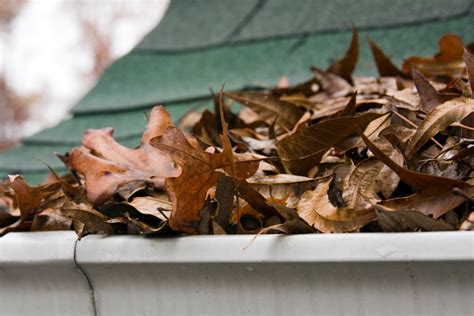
point(448, 62)
point(111, 168)
point(434, 195)
point(304, 149)
point(385, 67)
point(317, 210)
point(199, 172)
point(269, 107)
point(408, 221)
point(345, 67)
point(437, 120)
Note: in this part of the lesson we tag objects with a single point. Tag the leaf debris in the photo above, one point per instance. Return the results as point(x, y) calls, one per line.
point(334, 154)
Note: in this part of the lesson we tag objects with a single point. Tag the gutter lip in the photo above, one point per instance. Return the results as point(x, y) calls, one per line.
point(33, 248)
point(313, 248)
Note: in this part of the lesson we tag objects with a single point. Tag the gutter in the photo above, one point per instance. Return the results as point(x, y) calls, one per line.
point(335, 274)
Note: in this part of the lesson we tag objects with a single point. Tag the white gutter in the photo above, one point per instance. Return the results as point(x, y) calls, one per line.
point(339, 274)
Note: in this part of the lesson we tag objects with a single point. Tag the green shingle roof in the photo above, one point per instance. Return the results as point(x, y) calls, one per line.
point(201, 44)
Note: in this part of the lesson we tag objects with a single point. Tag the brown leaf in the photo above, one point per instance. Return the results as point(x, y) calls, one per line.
point(448, 62)
point(430, 98)
point(198, 174)
point(350, 108)
point(468, 223)
point(345, 67)
point(304, 149)
point(360, 191)
point(28, 197)
point(316, 209)
point(87, 221)
point(332, 84)
point(434, 194)
point(439, 119)
point(111, 168)
point(387, 180)
point(408, 221)
point(256, 200)
point(50, 220)
point(385, 67)
point(270, 108)
point(287, 188)
point(225, 192)
point(291, 227)
point(8, 214)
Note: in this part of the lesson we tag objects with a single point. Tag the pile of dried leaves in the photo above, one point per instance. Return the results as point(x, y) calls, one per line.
point(334, 154)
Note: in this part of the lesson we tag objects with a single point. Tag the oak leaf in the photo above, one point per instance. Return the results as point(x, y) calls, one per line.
point(200, 171)
point(110, 168)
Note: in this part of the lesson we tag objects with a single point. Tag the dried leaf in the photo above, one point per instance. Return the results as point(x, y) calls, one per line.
point(291, 227)
point(408, 221)
point(385, 67)
point(430, 98)
point(286, 188)
point(434, 195)
point(316, 209)
point(269, 108)
point(50, 220)
point(334, 85)
point(468, 224)
point(111, 168)
point(225, 191)
point(198, 174)
point(87, 221)
point(448, 62)
point(345, 66)
point(28, 197)
point(304, 149)
point(360, 191)
point(350, 108)
point(439, 119)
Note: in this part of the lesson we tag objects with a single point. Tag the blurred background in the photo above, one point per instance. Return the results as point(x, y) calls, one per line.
point(52, 52)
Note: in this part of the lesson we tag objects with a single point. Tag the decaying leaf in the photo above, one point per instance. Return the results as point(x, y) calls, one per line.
point(430, 98)
point(434, 195)
point(385, 67)
point(448, 62)
point(408, 221)
point(439, 119)
point(111, 168)
point(198, 174)
point(304, 149)
point(317, 210)
point(269, 107)
point(51, 220)
point(345, 66)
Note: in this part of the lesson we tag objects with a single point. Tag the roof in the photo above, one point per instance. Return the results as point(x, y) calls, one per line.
point(201, 44)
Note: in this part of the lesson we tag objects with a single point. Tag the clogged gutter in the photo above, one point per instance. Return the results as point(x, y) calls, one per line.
point(336, 153)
